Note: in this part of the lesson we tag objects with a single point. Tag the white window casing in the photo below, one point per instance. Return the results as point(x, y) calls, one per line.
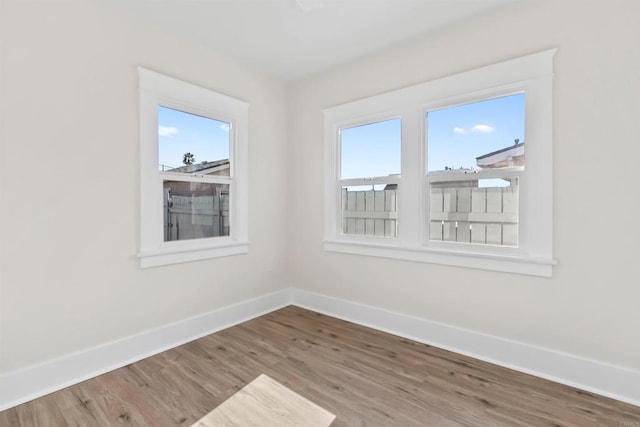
point(156, 90)
point(531, 75)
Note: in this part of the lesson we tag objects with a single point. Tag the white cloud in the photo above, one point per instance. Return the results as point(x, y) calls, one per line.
point(168, 131)
point(482, 129)
point(224, 127)
point(459, 131)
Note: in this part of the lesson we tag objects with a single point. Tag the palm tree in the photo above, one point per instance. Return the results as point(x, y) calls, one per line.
point(188, 158)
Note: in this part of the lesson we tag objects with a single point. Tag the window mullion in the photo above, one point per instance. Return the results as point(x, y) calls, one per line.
point(409, 190)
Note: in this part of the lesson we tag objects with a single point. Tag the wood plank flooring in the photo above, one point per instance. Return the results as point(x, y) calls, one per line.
point(365, 377)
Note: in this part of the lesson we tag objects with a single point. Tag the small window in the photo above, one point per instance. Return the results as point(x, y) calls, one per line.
point(369, 171)
point(193, 145)
point(195, 166)
point(475, 163)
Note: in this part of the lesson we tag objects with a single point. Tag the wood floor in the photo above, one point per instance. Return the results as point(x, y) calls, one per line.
point(365, 377)
point(267, 402)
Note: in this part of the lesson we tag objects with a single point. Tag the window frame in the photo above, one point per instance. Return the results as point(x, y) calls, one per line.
point(531, 74)
point(157, 90)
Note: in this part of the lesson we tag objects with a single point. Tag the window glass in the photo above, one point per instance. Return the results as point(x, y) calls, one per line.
point(465, 143)
point(370, 210)
point(195, 210)
point(475, 212)
point(371, 150)
point(480, 135)
point(192, 144)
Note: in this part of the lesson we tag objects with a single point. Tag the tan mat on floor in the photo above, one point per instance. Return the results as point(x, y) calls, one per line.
point(265, 402)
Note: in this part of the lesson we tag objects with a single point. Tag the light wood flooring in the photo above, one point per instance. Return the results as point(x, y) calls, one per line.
point(365, 377)
point(267, 402)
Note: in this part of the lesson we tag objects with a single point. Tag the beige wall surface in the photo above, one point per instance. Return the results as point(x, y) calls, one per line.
point(591, 305)
point(70, 175)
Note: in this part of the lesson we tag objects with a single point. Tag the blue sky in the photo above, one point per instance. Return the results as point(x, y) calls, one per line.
point(456, 136)
point(180, 132)
point(371, 150)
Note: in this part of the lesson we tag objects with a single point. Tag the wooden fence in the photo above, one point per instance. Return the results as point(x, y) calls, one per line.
point(475, 215)
point(458, 214)
point(370, 213)
point(194, 217)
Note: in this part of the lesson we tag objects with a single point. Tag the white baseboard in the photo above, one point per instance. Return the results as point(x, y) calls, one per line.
point(20, 386)
point(608, 380)
point(600, 378)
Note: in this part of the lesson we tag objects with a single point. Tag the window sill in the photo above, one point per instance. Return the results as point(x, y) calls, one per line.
point(504, 263)
point(176, 255)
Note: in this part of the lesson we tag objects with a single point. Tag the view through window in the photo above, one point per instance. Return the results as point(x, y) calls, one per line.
point(475, 159)
point(194, 161)
point(370, 167)
point(436, 172)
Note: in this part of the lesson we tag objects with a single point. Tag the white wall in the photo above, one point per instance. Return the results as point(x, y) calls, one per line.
point(590, 307)
point(70, 176)
point(68, 109)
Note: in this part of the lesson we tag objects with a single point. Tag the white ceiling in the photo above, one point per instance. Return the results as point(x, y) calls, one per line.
point(294, 38)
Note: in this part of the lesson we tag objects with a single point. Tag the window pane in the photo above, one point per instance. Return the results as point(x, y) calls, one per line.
point(195, 210)
point(192, 144)
point(476, 211)
point(480, 135)
point(370, 210)
point(371, 150)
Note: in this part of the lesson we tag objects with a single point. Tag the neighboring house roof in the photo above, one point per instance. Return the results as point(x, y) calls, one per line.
point(203, 168)
point(509, 156)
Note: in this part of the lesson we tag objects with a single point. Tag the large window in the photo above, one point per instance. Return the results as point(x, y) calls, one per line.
point(475, 163)
point(437, 172)
point(193, 172)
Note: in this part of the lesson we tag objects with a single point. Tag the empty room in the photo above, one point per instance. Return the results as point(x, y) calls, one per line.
point(319, 213)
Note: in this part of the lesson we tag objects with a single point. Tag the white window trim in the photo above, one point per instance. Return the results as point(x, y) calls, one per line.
point(532, 74)
point(160, 90)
